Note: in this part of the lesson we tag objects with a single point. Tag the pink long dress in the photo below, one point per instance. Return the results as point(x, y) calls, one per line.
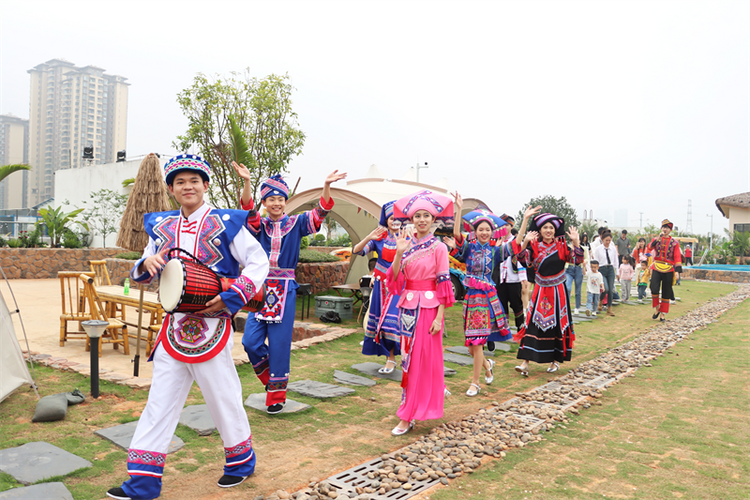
point(425, 281)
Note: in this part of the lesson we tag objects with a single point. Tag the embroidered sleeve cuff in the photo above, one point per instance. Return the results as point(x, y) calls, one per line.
point(232, 300)
point(326, 205)
point(445, 290)
point(139, 277)
point(253, 222)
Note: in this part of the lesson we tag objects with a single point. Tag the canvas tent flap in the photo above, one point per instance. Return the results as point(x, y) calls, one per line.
point(13, 370)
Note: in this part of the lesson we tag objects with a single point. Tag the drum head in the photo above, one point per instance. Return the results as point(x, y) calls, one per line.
point(171, 285)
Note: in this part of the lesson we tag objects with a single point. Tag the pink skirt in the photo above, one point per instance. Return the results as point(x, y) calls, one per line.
point(423, 397)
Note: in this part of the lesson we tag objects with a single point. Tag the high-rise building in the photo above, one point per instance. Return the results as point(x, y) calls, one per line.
point(14, 149)
point(72, 108)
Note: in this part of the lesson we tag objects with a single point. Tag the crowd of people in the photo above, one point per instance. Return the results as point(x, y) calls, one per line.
point(531, 272)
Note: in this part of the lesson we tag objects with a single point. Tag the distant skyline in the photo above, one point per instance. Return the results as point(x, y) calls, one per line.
point(615, 105)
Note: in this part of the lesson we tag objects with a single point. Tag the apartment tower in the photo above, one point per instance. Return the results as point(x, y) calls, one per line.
point(72, 108)
point(14, 149)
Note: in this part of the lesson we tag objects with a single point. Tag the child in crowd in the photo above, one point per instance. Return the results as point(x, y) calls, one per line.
point(594, 287)
point(625, 275)
point(644, 277)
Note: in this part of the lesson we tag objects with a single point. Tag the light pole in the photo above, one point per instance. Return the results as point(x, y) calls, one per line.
point(711, 241)
point(421, 166)
point(94, 328)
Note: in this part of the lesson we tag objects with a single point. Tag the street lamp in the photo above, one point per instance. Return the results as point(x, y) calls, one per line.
point(94, 328)
point(421, 166)
point(711, 241)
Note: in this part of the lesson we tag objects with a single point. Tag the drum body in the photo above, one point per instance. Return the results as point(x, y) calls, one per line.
point(187, 286)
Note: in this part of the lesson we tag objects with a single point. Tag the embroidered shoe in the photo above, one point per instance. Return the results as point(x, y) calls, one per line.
point(118, 493)
point(275, 409)
point(229, 481)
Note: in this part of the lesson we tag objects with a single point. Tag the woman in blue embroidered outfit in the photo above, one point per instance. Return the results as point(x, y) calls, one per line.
point(483, 313)
point(547, 336)
point(420, 269)
point(195, 346)
point(280, 236)
point(382, 334)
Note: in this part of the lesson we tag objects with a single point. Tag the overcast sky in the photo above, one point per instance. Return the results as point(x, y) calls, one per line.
point(615, 105)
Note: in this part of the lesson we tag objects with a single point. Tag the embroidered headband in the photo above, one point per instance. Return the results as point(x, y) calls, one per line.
point(187, 162)
point(274, 186)
point(476, 216)
point(667, 223)
point(438, 205)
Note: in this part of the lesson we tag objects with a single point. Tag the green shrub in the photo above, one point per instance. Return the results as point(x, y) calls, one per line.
point(3, 242)
point(14, 243)
point(318, 241)
point(128, 255)
point(71, 240)
point(304, 242)
point(307, 256)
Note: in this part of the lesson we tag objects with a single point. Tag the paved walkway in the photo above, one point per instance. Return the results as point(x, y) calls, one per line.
point(40, 303)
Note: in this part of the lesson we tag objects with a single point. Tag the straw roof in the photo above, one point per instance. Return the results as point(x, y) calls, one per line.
point(149, 194)
point(739, 200)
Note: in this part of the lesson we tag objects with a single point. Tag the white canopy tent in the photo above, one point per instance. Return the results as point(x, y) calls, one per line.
point(358, 206)
point(13, 370)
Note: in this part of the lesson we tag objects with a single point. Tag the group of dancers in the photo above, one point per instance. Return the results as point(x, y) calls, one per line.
point(411, 289)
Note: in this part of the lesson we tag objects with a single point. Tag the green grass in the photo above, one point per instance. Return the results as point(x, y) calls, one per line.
point(340, 433)
point(680, 429)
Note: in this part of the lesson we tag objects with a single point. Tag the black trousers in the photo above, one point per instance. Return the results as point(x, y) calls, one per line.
point(510, 293)
point(663, 280)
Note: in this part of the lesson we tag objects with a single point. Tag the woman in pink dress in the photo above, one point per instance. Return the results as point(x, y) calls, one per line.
point(420, 269)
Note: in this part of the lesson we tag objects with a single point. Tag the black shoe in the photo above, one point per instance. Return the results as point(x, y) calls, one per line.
point(275, 409)
point(229, 481)
point(118, 493)
point(655, 316)
point(490, 346)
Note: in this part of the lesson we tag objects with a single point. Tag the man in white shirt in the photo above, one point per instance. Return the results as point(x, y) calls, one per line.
point(609, 263)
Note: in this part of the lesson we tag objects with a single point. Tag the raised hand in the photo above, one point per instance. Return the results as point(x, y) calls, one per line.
point(241, 170)
point(154, 264)
point(458, 203)
point(573, 235)
point(335, 176)
point(377, 233)
point(530, 236)
point(450, 242)
point(402, 242)
point(530, 212)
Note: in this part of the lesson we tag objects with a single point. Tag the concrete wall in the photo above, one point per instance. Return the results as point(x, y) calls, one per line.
point(44, 263)
point(76, 185)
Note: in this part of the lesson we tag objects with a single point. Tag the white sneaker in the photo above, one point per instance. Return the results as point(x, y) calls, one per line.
point(593, 313)
point(575, 311)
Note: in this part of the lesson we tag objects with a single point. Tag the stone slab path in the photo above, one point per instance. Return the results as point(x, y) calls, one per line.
point(458, 359)
point(122, 435)
point(33, 462)
point(257, 401)
point(320, 390)
point(44, 491)
point(198, 418)
point(372, 370)
point(351, 379)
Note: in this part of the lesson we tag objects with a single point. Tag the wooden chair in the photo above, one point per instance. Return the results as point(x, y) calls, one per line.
point(116, 332)
point(99, 267)
point(74, 304)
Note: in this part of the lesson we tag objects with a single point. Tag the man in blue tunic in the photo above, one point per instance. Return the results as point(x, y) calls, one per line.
point(280, 235)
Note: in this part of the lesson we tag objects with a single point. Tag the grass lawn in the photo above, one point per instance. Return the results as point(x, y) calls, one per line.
point(680, 429)
point(343, 432)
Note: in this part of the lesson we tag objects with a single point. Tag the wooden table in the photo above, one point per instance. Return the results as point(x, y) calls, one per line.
point(113, 295)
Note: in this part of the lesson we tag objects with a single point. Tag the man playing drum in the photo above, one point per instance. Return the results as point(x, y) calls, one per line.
point(196, 346)
point(280, 234)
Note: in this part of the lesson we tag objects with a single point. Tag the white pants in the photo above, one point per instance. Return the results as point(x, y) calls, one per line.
point(171, 382)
